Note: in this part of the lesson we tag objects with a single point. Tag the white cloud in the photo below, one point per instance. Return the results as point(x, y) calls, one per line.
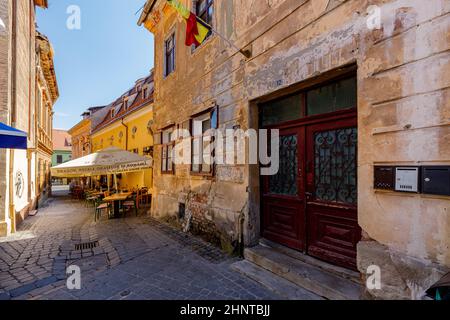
point(62, 115)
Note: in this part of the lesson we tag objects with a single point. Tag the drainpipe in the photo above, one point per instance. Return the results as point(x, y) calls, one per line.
point(241, 222)
point(12, 214)
point(126, 135)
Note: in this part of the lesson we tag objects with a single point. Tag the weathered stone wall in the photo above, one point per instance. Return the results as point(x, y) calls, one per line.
point(403, 110)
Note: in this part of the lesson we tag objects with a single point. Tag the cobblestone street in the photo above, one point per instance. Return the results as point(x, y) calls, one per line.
point(132, 258)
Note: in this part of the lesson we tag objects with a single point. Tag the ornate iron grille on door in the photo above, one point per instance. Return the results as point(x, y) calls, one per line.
point(285, 181)
point(335, 165)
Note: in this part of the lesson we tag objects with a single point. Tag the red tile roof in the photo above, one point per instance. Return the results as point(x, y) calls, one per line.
point(135, 96)
point(61, 140)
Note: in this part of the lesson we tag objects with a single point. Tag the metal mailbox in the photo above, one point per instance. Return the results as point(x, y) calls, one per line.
point(436, 180)
point(407, 179)
point(384, 178)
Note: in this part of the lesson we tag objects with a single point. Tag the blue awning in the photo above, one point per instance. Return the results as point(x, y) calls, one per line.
point(12, 138)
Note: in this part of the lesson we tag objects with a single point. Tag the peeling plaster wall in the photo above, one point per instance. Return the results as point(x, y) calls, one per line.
point(403, 106)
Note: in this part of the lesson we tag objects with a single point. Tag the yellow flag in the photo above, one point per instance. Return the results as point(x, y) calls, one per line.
point(185, 12)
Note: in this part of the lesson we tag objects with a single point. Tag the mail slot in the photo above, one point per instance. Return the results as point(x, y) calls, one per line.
point(384, 178)
point(436, 180)
point(407, 179)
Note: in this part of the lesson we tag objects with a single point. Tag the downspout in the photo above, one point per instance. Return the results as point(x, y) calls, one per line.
point(241, 225)
point(12, 214)
point(126, 135)
point(32, 48)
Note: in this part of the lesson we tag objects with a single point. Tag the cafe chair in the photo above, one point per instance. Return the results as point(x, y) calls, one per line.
point(90, 199)
point(130, 204)
point(144, 196)
point(100, 207)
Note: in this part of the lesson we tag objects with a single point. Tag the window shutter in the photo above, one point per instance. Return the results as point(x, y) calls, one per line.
point(157, 138)
point(215, 117)
point(186, 126)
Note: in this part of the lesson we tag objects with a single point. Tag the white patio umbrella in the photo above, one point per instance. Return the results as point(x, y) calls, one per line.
point(104, 162)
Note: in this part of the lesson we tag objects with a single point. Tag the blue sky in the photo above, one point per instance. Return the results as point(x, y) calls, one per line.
point(99, 62)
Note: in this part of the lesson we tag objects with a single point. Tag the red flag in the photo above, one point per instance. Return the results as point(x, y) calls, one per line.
point(191, 30)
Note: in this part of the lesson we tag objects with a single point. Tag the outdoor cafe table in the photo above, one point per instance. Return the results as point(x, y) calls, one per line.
point(116, 199)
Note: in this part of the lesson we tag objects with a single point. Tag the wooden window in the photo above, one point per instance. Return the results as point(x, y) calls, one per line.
point(59, 159)
point(168, 144)
point(339, 95)
point(145, 93)
point(205, 10)
point(333, 97)
point(169, 55)
point(202, 138)
point(281, 110)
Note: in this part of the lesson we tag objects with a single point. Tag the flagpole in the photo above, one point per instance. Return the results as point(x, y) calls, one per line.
point(245, 53)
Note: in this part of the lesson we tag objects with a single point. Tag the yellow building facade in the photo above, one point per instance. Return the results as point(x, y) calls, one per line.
point(127, 125)
point(47, 93)
point(81, 138)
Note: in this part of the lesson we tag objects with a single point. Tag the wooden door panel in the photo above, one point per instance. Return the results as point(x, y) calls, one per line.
point(282, 223)
point(333, 237)
point(332, 221)
point(283, 193)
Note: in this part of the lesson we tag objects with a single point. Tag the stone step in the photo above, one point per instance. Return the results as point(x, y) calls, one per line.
point(33, 213)
point(307, 276)
point(339, 271)
point(284, 288)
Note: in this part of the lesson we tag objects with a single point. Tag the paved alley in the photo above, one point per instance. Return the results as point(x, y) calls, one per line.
point(133, 258)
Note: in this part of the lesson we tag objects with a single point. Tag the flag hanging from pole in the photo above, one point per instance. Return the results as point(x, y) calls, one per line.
point(196, 30)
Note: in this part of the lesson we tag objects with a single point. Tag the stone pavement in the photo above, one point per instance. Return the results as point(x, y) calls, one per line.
point(132, 258)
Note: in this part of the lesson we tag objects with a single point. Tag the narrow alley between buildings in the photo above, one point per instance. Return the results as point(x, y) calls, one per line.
point(131, 258)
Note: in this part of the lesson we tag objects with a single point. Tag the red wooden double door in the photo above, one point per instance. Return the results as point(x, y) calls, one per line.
point(311, 204)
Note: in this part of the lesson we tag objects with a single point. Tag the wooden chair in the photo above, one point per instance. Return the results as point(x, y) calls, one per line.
point(144, 196)
point(90, 199)
point(78, 194)
point(100, 207)
point(130, 204)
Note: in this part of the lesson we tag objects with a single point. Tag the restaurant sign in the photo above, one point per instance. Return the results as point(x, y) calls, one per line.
point(87, 171)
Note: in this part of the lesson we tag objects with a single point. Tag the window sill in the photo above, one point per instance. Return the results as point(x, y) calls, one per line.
point(207, 42)
point(170, 75)
point(200, 174)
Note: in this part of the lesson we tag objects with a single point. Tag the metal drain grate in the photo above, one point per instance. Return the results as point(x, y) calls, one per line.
point(86, 245)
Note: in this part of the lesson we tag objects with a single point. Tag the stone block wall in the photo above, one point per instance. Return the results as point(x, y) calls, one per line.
point(403, 112)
